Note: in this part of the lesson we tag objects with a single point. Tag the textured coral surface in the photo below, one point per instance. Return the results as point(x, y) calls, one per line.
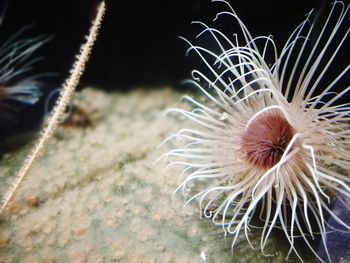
point(95, 195)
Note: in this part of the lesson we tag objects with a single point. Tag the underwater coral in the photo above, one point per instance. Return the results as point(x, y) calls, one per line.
point(63, 100)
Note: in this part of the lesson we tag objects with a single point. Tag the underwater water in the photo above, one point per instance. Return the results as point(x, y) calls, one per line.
point(95, 194)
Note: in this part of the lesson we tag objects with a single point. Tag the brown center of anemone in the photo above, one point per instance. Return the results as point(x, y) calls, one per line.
point(265, 140)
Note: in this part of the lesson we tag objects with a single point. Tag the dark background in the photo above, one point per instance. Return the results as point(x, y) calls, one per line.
point(138, 45)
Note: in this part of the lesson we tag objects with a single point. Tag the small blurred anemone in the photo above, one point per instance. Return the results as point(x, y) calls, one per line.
point(15, 62)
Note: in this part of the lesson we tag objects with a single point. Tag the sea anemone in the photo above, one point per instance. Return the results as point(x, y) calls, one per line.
point(16, 87)
point(270, 140)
